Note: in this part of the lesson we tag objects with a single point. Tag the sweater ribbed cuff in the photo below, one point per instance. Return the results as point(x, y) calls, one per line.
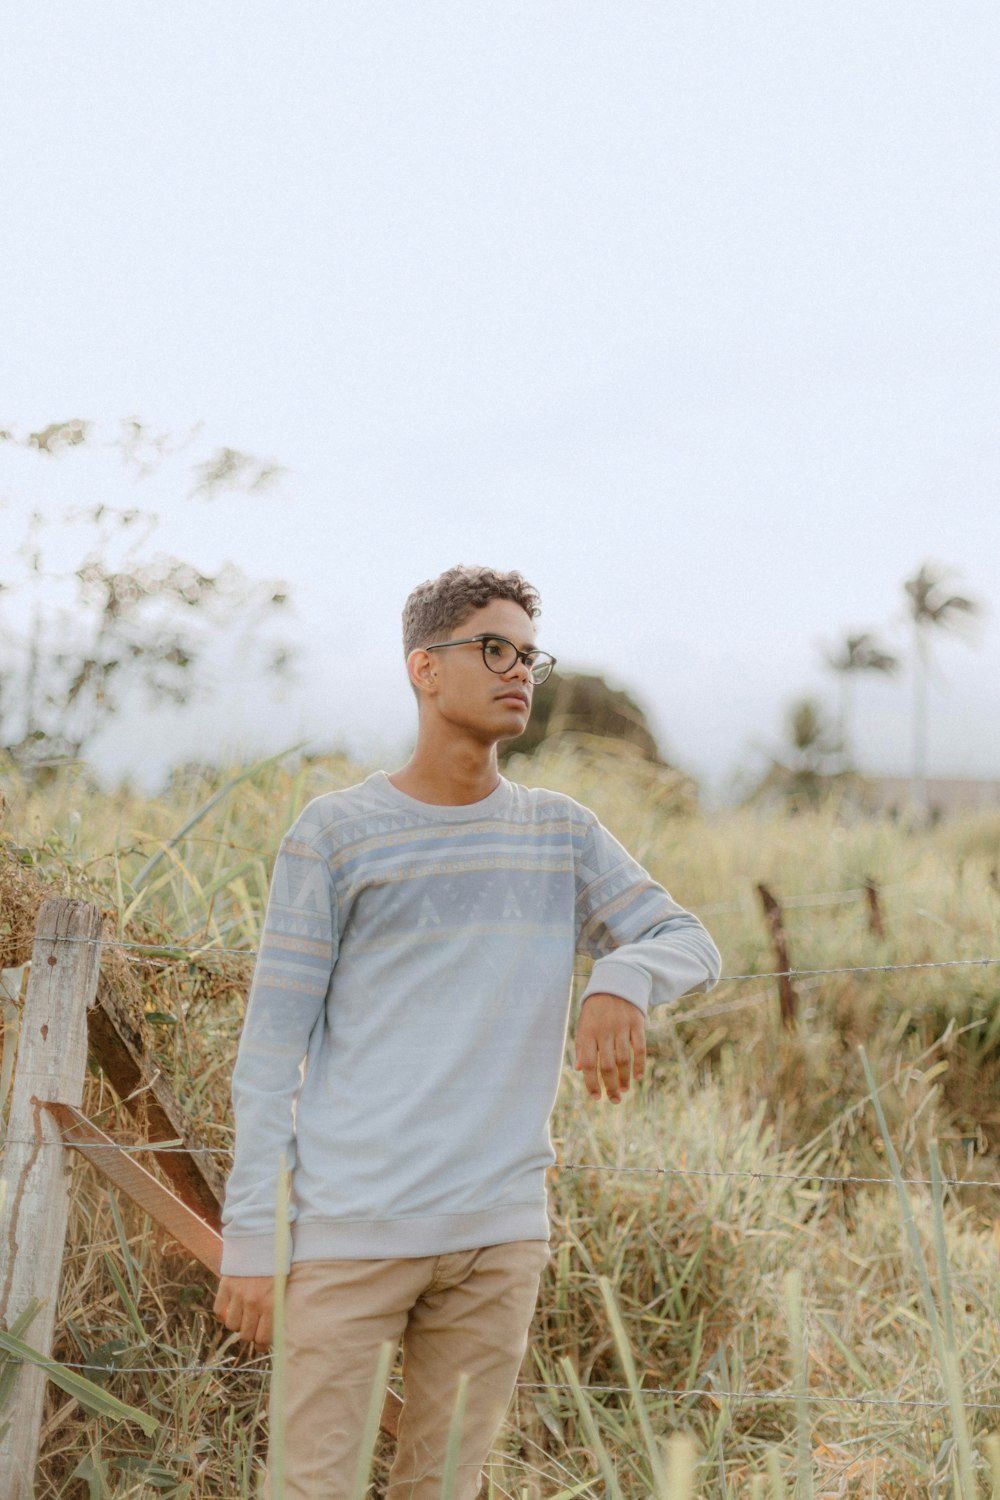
point(610, 976)
point(248, 1255)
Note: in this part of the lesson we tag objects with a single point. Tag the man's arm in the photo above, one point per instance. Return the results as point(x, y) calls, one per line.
point(647, 951)
point(297, 953)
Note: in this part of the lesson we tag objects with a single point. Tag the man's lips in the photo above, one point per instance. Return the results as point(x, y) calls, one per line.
point(513, 696)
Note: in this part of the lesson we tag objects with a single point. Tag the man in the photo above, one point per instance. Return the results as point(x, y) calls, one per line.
point(403, 1046)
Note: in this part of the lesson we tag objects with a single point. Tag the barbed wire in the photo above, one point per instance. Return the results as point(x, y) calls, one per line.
point(261, 1367)
point(752, 1174)
point(170, 953)
point(809, 898)
point(756, 1175)
point(820, 898)
point(937, 963)
point(713, 1394)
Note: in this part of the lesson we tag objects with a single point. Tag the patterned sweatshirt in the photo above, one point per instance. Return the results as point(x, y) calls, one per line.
point(406, 1026)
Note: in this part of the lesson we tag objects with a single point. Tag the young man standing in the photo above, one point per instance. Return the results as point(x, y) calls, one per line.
point(402, 1050)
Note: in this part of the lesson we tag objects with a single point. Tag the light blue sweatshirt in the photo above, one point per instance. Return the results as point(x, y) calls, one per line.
point(406, 1026)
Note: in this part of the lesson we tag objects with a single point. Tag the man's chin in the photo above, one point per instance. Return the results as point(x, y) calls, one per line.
point(512, 734)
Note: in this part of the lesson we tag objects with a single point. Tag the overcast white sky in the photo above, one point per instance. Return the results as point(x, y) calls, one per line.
point(691, 311)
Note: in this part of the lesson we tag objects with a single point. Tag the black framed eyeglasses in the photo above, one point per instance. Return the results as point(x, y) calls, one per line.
point(501, 655)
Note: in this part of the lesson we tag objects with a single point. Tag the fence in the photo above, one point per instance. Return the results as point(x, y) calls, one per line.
point(71, 1009)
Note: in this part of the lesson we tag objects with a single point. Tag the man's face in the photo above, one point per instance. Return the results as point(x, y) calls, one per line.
point(464, 691)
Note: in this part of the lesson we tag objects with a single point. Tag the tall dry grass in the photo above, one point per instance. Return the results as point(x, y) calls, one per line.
point(754, 1328)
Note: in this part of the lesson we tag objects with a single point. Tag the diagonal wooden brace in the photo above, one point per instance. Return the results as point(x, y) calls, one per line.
point(170, 1212)
point(180, 1221)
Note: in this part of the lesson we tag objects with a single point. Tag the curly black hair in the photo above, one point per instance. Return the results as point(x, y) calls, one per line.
point(434, 608)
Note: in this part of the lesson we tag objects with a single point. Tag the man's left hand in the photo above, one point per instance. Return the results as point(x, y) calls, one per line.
point(610, 1045)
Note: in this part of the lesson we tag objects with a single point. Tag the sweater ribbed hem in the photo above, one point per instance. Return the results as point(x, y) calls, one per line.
point(387, 1239)
point(407, 1239)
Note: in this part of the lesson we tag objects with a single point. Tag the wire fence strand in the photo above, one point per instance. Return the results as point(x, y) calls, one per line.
point(261, 1368)
point(171, 953)
point(750, 1174)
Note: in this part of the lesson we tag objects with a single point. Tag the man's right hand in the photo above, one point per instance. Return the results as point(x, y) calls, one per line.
point(246, 1305)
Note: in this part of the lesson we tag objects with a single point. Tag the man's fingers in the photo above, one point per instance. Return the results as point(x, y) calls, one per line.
point(265, 1329)
point(248, 1323)
point(610, 1045)
point(623, 1056)
point(586, 1063)
point(245, 1304)
point(609, 1069)
point(592, 1080)
point(234, 1315)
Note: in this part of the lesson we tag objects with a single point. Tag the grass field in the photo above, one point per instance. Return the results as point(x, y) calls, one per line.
point(794, 1328)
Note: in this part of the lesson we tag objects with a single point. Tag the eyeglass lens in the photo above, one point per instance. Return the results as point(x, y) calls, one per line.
point(500, 656)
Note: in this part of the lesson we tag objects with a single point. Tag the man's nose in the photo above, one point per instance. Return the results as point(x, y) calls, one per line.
point(521, 669)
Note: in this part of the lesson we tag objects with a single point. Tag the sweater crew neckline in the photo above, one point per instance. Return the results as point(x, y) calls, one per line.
point(437, 812)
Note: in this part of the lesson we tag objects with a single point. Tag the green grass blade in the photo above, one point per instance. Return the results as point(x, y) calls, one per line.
point(591, 1431)
point(909, 1223)
point(632, 1379)
point(370, 1435)
point(128, 1301)
point(11, 1014)
point(89, 1395)
point(953, 1376)
point(847, 1354)
point(449, 1476)
point(947, 1358)
point(992, 1446)
point(682, 1462)
point(206, 807)
point(776, 1479)
point(941, 1249)
point(9, 1367)
point(800, 1378)
point(131, 1269)
point(276, 1454)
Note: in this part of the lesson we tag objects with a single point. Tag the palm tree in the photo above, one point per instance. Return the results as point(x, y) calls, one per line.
point(801, 773)
point(859, 653)
point(813, 739)
point(930, 607)
point(816, 748)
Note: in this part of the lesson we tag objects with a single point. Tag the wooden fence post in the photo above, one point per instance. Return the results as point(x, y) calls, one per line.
point(788, 1000)
point(876, 923)
point(51, 1061)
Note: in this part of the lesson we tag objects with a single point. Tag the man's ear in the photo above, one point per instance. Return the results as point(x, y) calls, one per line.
point(422, 669)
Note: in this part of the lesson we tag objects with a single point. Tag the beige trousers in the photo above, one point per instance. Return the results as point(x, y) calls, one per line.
point(466, 1312)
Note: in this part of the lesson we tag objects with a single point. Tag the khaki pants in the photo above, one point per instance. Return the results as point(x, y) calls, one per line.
point(466, 1312)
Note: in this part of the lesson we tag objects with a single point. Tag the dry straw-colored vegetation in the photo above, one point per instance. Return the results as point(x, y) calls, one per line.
point(864, 1317)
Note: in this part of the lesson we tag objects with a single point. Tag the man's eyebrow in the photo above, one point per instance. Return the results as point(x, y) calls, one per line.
point(524, 646)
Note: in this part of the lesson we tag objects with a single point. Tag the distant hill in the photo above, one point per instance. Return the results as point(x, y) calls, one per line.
point(583, 703)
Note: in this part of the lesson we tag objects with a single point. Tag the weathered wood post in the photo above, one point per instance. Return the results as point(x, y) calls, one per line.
point(876, 922)
point(51, 1060)
point(788, 1000)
